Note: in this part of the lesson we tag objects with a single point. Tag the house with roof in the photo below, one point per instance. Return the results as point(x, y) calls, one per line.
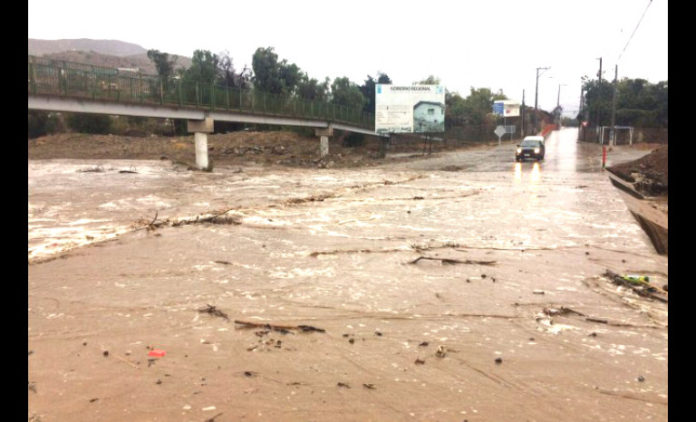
point(428, 116)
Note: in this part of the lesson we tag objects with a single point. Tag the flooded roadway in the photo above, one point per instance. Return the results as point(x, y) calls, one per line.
point(406, 338)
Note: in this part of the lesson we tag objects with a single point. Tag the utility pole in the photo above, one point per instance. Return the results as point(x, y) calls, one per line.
point(580, 112)
point(558, 103)
point(599, 91)
point(612, 133)
point(523, 116)
point(536, 95)
point(558, 99)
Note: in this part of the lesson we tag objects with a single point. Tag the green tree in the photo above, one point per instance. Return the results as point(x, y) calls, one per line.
point(164, 63)
point(198, 79)
point(310, 89)
point(227, 75)
point(204, 68)
point(455, 112)
point(598, 99)
point(273, 76)
point(430, 80)
point(638, 102)
point(368, 90)
point(473, 112)
point(346, 93)
point(383, 78)
point(479, 104)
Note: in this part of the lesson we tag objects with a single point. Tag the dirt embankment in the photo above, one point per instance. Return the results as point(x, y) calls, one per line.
point(284, 148)
point(648, 174)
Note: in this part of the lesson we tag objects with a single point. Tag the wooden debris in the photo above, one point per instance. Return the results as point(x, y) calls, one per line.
point(280, 328)
point(126, 361)
point(212, 310)
point(641, 289)
point(561, 311)
point(599, 320)
point(223, 262)
point(151, 226)
point(449, 261)
point(213, 418)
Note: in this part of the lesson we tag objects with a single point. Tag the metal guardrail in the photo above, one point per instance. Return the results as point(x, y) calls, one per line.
point(79, 80)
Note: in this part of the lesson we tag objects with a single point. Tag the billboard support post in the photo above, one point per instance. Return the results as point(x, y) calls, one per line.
point(383, 147)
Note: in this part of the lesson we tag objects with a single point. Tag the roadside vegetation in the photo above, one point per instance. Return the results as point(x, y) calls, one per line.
point(269, 74)
point(639, 103)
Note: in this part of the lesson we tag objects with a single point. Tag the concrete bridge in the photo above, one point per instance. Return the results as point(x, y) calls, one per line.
point(81, 88)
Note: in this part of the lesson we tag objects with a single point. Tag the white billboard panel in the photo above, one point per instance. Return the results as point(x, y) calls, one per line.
point(411, 108)
point(511, 109)
point(506, 108)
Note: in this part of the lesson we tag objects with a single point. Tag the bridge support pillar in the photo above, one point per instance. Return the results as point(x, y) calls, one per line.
point(201, 141)
point(324, 146)
point(323, 135)
point(200, 138)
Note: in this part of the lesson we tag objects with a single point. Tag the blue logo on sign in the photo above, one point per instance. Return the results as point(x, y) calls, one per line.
point(379, 89)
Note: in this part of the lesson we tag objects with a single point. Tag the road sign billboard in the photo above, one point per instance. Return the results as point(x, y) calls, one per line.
point(409, 109)
point(506, 108)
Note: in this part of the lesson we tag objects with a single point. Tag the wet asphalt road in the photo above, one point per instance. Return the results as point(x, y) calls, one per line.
point(421, 278)
point(563, 154)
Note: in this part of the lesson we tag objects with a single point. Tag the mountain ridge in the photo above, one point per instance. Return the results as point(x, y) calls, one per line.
point(106, 53)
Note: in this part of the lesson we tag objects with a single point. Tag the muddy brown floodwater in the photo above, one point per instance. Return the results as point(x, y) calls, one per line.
point(444, 295)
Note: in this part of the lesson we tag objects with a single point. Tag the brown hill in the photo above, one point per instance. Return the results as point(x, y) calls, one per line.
point(111, 47)
point(107, 53)
point(139, 61)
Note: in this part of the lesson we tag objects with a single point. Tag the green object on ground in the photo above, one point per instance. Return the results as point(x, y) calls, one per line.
point(637, 279)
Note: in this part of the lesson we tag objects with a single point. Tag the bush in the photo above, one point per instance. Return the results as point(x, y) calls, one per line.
point(89, 123)
point(40, 123)
point(354, 140)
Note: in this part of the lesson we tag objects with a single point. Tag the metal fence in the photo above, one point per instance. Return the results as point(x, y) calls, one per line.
point(78, 80)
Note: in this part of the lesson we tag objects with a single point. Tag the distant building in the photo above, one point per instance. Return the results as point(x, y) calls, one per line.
point(128, 69)
point(428, 116)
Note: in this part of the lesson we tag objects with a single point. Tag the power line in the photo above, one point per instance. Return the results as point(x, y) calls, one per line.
point(634, 31)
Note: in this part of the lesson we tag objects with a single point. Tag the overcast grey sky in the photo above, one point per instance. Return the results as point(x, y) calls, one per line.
point(494, 44)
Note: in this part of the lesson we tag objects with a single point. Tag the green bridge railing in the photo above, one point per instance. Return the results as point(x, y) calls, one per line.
point(83, 81)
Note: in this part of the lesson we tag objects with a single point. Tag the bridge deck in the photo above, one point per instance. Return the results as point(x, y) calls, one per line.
point(75, 87)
